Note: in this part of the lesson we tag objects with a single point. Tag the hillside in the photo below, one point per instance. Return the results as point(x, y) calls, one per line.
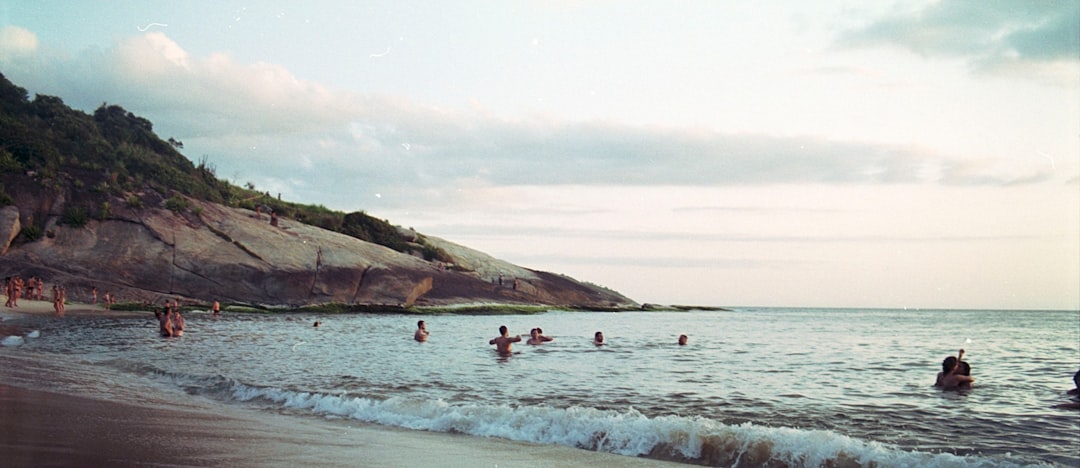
point(100, 201)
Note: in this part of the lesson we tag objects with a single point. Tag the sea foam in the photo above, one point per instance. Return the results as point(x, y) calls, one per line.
point(686, 439)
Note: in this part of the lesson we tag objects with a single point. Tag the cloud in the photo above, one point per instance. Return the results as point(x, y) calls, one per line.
point(17, 42)
point(259, 117)
point(201, 96)
point(1037, 39)
point(698, 237)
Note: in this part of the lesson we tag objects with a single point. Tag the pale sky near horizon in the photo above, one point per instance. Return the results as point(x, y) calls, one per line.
point(831, 153)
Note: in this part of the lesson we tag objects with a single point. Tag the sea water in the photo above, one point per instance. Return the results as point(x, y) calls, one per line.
point(753, 387)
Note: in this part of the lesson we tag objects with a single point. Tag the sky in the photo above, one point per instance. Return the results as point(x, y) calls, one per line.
point(833, 153)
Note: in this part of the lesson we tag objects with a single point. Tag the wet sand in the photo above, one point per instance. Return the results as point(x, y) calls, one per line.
point(40, 428)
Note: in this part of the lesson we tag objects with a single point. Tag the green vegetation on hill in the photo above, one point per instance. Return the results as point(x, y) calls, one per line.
point(49, 147)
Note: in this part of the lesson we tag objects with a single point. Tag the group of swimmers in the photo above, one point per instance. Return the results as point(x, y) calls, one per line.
point(504, 342)
point(172, 323)
point(955, 371)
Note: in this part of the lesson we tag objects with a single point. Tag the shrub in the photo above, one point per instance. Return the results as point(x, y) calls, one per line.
point(8, 163)
point(31, 233)
point(177, 203)
point(134, 201)
point(5, 199)
point(76, 216)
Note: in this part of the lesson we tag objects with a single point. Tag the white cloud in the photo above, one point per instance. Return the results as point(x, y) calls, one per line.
point(198, 96)
point(17, 42)
point(260, 117)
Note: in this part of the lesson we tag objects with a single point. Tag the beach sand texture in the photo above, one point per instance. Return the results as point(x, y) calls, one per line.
point(47, 429)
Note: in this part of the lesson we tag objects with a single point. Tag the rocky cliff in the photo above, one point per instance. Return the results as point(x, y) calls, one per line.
point(100, 201)
point(210, 252)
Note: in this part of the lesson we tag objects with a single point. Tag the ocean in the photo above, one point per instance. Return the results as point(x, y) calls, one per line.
point(753, 387)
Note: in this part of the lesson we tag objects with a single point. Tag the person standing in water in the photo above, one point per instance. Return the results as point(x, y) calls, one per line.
point(421, 332)
point(536, 336)
point(504, 341)
point(952, 375)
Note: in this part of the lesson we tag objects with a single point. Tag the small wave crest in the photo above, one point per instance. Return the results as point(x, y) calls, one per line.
point(628, 432)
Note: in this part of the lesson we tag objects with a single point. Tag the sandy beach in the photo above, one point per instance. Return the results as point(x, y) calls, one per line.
point(39, 428)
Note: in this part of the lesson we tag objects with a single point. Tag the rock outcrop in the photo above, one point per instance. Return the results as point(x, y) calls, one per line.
point(211, 252)
point(9, 227)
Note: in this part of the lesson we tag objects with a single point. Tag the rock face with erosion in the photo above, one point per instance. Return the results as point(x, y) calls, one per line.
point(211, 252)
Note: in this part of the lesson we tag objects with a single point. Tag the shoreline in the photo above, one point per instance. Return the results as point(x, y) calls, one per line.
point(42, 428)
point(39, 428)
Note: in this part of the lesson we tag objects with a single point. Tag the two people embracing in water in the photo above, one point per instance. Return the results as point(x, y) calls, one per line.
point(955, 373)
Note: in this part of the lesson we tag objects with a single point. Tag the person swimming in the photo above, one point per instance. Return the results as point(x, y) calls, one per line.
point(598, 338)
point(504, 341)
point(536, 336)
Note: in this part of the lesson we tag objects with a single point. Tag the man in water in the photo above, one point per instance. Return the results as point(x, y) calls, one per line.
point(421, 332)
point(682, 340)
point(598, 339)
point(504, 341)
point(536, 336)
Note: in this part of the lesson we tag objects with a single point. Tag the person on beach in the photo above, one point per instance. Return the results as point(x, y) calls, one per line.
point(536, 337)
point(13, 289)
point(62, 303)
point(421, 332)
point(30, 288)
point(57, 301)
point(682, 340)
point(952, 375)
point(504, 341)
point(93, 296)
point(598, 338)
